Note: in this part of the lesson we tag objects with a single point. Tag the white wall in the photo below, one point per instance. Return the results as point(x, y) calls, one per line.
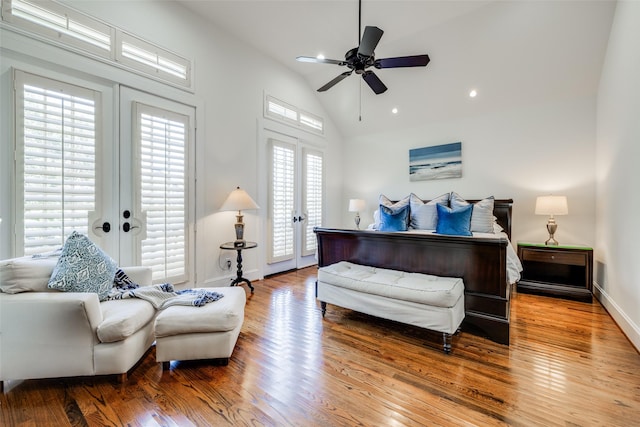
point(231, 80)
point(618, 151)
point(518, 153)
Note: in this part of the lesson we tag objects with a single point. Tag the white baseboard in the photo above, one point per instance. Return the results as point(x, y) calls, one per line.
point(222, 281)
point(630, 329)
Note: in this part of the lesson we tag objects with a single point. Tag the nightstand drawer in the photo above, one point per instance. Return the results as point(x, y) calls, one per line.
point(555, 257)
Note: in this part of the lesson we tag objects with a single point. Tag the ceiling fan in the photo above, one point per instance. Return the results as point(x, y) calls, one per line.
point(362, 57)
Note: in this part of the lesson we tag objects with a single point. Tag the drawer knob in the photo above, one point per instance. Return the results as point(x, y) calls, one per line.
point(553, 257)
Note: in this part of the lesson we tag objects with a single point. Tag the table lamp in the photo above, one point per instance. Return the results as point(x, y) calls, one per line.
point(551, 205)
point(239, 200)
point(356, 205)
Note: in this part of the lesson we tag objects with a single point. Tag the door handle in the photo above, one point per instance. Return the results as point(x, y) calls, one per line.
point(106, 227)
point(126, 227)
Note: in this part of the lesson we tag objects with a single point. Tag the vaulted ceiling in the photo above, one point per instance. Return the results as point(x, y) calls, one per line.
point(513, 52)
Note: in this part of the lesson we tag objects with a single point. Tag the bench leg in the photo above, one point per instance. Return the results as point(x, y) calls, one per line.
point(323, 306)
point(447, 342)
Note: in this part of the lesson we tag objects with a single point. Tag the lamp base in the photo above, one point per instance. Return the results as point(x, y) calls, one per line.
point(239, 226)
point(551, 229)
point(357, 221)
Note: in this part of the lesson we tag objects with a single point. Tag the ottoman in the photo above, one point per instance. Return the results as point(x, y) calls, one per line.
point(207, 332)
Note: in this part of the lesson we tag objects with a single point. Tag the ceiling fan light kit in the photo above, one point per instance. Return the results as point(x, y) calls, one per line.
point(360, 58)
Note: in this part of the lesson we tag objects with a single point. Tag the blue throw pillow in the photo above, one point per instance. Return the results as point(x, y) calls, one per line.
point(83, 267)
point(456, 222)
point(393, 220)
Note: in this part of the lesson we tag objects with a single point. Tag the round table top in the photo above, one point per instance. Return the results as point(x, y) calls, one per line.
point(232, 245)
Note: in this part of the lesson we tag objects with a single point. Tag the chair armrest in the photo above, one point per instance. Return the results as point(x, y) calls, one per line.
point(140, 275)
point(45, 334)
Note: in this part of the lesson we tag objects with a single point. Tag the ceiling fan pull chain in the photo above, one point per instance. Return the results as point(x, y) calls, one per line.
point(360, 111)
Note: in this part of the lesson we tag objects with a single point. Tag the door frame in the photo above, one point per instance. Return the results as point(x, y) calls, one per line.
point(265, 128)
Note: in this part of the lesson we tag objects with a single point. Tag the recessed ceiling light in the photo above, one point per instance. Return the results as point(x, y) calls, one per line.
point(320, 56)
point(473, 93)
point(394, 110)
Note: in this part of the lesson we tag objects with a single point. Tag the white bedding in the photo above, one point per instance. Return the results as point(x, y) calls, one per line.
point(514, 267)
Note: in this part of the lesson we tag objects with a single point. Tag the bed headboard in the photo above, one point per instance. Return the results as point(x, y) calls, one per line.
point(502, 211)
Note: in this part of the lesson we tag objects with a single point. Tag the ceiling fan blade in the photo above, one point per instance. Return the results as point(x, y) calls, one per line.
point(402, 61)
point(374, 82)
point(370, 40)
point(319, 61)
point(335, 81)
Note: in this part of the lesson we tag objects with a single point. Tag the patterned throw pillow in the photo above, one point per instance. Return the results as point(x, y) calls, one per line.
point(83, 267)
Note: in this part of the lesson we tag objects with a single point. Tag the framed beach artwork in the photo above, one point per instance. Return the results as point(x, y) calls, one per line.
point(436, 162)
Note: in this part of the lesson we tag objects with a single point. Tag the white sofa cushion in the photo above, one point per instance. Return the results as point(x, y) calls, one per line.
point(26, 274)
point(222, 315)
point(123, 318)
point(414, 287)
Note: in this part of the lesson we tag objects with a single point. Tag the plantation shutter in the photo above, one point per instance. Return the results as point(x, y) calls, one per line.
point(281, 201)
point(57, 138)
point(312, 198)
point(162, 149)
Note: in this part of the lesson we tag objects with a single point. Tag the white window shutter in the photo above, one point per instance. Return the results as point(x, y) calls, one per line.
point(162, 150)
point(312, 198)
point(281, 201)
point(56, 127)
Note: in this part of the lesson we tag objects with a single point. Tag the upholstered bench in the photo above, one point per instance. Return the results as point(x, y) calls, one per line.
point(431, 302)
point(207, 332)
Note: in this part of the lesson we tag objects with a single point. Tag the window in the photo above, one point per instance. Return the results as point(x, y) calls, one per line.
point(162, 144)
point(282, 201)
point(291, 115)
point(62, 24)
point(312, 198)
point(147, 57)
point(56, 127)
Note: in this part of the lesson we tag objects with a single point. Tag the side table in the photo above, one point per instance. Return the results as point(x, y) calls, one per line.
point(230, 246)
point(563, 270)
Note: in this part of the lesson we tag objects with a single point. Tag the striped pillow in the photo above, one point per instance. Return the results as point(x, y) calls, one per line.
point(482, 216)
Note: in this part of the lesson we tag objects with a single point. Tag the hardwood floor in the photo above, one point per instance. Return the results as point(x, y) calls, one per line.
point(568, 364)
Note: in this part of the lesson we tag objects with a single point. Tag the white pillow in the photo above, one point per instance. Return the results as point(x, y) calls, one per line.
point(26, 274)
point(482, 216)
point(424, 216)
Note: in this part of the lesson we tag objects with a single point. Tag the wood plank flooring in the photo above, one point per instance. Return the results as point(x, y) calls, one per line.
point(568, 365)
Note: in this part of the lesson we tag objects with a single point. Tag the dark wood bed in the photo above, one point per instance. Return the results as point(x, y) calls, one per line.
point(480, 262)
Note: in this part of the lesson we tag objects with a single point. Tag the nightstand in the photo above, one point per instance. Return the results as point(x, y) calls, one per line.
point(565, 271)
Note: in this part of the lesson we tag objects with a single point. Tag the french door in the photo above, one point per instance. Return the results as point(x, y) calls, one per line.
point(155, 194)
point(128, 191)
point(295, 194)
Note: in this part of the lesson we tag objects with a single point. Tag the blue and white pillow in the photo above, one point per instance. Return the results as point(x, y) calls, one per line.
point(424, 216)
point(83, 267)
point(482, 218)
point(456, 222)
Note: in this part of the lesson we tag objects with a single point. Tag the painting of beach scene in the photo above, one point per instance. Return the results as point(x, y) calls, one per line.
point(436, 162)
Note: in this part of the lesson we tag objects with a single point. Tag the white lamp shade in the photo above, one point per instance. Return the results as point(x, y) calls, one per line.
point(552, 205)
point(356, 205)
point(239, 200)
